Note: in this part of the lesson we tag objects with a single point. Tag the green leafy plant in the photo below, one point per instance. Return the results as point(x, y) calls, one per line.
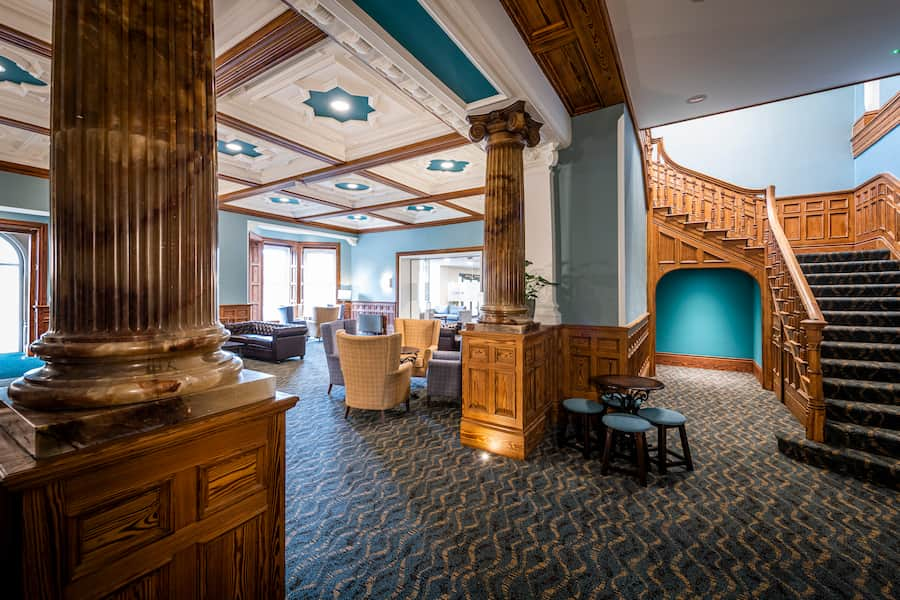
point(534, 283)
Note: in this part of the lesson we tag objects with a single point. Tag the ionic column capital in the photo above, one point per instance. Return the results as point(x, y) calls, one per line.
point(512, 123)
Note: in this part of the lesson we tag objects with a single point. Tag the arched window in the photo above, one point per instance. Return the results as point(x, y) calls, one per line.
point(12, 282)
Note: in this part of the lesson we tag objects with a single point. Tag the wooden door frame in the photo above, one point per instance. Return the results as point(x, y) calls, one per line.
point(37, 284)
point(297, 251)
point(399, 255)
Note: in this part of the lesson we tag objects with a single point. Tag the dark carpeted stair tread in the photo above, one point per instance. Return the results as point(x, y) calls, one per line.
point(866, 466)
point(852, 333)
point(891, 303)
point(869, 370)
point(866, 318)
point(862, 266)
point(853, 278)
point(817, 257)
point(879, 290)
point(861, 390)
point(875, 440)
point(863, 413)
point(861, 351)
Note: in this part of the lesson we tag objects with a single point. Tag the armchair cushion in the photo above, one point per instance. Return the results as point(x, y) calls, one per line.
point(373, 376)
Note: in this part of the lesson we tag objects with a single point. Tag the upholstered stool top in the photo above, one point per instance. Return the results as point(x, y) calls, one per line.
point(627, 423)
point(662, 416)
point(582, 406)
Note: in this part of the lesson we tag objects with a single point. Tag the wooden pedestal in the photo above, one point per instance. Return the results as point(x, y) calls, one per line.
point(509, 385)
point(190, 510)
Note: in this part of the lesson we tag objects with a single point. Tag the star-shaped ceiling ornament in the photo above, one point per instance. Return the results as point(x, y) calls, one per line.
point(339, 105)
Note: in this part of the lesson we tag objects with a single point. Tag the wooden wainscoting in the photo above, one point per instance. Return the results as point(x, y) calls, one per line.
point(234, 313)
point(877, 203)
point(589, 350)
point(820, 222)
point(718, 363)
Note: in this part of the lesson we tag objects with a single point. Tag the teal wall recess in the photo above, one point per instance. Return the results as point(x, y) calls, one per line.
point(12, 72)
point(339, 105)
point(414, 29)
point(709, 312)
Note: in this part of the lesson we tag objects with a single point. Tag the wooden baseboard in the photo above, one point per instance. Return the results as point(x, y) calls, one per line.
point(758, 373)
point(742, 365)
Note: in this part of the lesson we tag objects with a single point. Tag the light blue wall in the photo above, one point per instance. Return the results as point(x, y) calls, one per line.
point(802, 145)
point(635, 227)
point(374, 259)
point(233, 259)
point(709, 312)
point(586, 192)
point(881, 157)
point(22, 191)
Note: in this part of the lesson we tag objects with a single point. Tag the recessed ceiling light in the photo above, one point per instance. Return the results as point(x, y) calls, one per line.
point(2, 68)
point(340, 105)
point(420, 208)
point(447, 164)
point(234, 147)
point(696, 99)
point(895, 51)
point(352, 186)
point(357, 217)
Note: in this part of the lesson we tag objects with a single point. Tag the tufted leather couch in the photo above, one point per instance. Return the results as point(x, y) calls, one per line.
point(270, 341)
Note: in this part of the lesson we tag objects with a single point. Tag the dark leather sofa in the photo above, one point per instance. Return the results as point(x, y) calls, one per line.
point(270, 341)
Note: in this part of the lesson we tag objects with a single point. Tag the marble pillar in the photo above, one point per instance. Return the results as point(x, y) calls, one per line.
point(506, 133)
point(133, 209)
point(540, 227)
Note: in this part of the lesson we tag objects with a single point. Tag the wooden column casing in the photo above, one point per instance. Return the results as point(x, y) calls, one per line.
point(133, 316)
point(506, 133)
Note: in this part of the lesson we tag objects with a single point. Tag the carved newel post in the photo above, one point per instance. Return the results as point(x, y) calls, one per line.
point(506, 132)
point(133, 208)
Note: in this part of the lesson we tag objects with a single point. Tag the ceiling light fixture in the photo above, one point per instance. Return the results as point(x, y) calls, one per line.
point(895, 51)
point(352, 186)
point(357, 217)
point(340, 105)
point(447, 164)
point(2, 68)
point(234, 147)
point(696, 99)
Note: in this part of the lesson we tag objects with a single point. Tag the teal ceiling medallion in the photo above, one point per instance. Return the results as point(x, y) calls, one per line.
point(448, 166)
point(351, 186)
point(357, 217)
point(10, 71)
point(420, 208)
point(414, 29)
point(284, 200)
point(339, 105)
point(235, 147)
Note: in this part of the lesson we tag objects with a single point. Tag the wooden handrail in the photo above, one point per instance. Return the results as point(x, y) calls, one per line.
point(810, 305)
point(661, 148)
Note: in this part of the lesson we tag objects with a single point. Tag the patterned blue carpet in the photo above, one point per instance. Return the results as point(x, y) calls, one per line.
point(400, 509)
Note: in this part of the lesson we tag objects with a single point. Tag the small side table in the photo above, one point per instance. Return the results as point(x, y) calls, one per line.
point(629, 392)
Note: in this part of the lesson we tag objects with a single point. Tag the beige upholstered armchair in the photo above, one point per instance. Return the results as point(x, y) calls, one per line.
point(374, 379)
point(322, 314)
point(422, 334)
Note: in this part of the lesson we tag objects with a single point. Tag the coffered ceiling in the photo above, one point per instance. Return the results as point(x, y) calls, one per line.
point(374, 163)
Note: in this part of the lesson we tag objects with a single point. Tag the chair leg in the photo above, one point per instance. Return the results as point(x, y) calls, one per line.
point(382, 416)
point(686, 449)
point(586, 423)
point(347, 412)
point(562, 426)
point(661, 458)
point(329, 388)
point(640, 442)
point(407, 403)
point(607, 450)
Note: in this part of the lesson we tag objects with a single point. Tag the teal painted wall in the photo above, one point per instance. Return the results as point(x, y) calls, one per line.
point(233, 259)
point(709, 312)
point(374, 259)
point(635, 227)
point(802, 145)
point(586, 192)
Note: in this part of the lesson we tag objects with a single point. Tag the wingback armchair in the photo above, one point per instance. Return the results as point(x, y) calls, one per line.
point(422, 334)
point(329, 343)
point(374, 379)
point(322, 314)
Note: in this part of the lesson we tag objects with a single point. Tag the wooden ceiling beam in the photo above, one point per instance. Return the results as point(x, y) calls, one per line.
point(22, 40)
point(283, 37)
point(10, 122)
point(462, 209)
point(274, 138)
point(467, 219)
point(434, 199)
point(386, 218)
point(11, 167)
point(391, 182)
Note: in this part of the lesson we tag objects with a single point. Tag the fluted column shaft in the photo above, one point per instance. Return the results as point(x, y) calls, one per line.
point(506, 132)
point(133, 312)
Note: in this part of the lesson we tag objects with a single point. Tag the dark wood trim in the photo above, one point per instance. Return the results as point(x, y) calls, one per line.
point(421, 225)
point(399, 255)
point(37, 292)
point(741, 365)
point(263, 188)
point(878, 126)
point(274, 138)
point(300, 196)
point(236, 180)
point(443, 142)
point(22, 40)
point(391, 182)
point(11, 167)
point(758, 373)
point(10, 122)
point(462, 209)
point(389, 219)
point(435, 199)
point(256, 213)
point(285, 36)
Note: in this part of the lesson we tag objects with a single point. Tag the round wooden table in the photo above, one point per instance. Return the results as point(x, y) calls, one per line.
point(631, 391)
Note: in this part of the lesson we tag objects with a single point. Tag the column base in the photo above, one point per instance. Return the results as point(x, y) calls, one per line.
point(49, 433)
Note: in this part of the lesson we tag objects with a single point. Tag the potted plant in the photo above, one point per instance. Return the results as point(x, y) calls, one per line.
point(533, 286)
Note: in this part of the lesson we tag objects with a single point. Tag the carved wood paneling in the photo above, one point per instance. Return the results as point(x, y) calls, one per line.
point(235, 313)
point(877, 207)
point(875, 126)
point(818, 221)
point(571, 41)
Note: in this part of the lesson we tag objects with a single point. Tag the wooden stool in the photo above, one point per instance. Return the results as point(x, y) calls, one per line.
point(663, 419)
point(587, 411)
point(627, 424)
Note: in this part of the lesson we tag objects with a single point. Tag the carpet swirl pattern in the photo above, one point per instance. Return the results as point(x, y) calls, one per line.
point(399, 509)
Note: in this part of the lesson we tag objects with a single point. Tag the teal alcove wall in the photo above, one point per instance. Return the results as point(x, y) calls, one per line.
point(709, 312)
